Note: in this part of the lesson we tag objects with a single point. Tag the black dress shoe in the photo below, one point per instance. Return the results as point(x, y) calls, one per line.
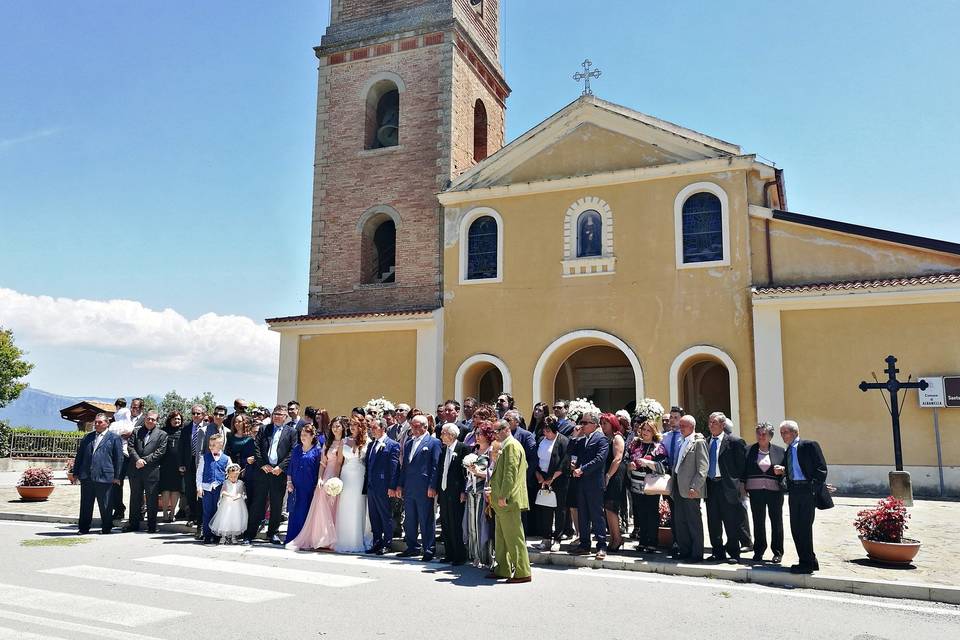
point(758, 557)
point(733, 560)
point(458, 563)
point(677, 556)
point(715, 558)
point(428, 557)
point(380, 551)
point(693, 561)
point(407, 554)
point(275, 539)
point(801, 569)
point(129, 529)
point(151, 529)
point(445, 560)
point(777, 558)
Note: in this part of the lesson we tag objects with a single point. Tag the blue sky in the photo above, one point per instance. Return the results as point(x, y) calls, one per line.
point(161, 152)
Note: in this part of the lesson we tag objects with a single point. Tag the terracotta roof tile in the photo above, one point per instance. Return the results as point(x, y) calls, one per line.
point(340, 316)
point(854, 285)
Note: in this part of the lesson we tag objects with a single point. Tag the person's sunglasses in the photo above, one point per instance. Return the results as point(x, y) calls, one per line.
point(220, 415)
point(585, 422)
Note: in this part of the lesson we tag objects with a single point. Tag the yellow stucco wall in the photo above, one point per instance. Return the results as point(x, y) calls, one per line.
point(657, 309)
point(826, 353)
point(804, 254)
point(343, 370)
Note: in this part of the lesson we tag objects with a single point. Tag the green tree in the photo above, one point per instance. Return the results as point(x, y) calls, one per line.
point(171, 402)
point(205, 400)
point(12, 368)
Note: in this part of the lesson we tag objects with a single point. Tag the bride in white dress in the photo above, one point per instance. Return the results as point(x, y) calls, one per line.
point(353, 523)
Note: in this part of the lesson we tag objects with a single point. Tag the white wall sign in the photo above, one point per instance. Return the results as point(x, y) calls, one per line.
point(933, 395)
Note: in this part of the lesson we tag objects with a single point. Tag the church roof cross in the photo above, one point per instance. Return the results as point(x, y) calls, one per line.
point(585, 76)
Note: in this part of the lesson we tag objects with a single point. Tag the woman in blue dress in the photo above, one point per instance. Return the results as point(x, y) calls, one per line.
point(302, 477)
point(241, 447)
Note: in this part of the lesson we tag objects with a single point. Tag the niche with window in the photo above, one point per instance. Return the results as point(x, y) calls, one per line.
point(702, 228)
point(382, 116)
point(479, 131)
point(588, 238)
point(589, 234)
point(378, 246)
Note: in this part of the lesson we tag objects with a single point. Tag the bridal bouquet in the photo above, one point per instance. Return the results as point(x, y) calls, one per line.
point(377, 406)
point(650, 409)
point(480, 461)
point(581, 406)
point(333, 487)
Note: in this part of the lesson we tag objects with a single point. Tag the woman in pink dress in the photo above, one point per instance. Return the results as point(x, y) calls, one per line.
point(320, 529)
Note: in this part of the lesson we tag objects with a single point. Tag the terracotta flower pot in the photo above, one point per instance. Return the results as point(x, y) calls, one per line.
point(665, 536)
point(35, 494)
point(891, 552)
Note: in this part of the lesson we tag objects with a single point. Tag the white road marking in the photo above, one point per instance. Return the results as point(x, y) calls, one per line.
point(770, 590)
point(13, 634)
point(99, 632)
point(331, 558)
point(215, 590)
point(256, 570)
point(76, 606)
point(35, 525)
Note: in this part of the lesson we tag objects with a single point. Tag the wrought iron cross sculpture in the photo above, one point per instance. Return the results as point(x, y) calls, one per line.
point(585, 75)
point(893, 386)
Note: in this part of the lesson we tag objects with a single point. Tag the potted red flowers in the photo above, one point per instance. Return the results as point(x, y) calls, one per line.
point(665, 533)
point(881, 532)
point(36, 484)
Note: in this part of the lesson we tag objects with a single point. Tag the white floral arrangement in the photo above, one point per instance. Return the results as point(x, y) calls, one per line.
point(333, 487)
point(377, 406)
point(581, 406)
point(469, 459)
point(650, 408)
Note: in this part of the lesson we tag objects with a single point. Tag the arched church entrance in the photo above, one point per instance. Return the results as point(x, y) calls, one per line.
point(703, 379)
point(589, 364)
point(484, 377)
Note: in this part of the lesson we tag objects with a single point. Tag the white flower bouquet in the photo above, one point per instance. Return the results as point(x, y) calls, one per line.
point(581, 406)
point(649, 408)
point(333, 487)
point(377, 406)
point(470, 459)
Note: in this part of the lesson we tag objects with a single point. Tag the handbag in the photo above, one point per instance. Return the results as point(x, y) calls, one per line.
point(823, 497)
point(546, 498)
point(657, 484)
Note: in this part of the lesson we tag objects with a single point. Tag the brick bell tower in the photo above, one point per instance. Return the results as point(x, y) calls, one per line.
point(411, 94)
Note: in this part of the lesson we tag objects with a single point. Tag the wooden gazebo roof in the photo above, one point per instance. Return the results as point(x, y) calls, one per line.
point(86, 411)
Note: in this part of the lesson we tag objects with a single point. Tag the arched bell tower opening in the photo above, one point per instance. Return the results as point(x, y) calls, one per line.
point(382, 116)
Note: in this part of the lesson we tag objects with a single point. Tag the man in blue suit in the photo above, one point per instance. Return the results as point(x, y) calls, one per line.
point(421, 454)
point(98, 466)
point(380, 484)
point(591, 461)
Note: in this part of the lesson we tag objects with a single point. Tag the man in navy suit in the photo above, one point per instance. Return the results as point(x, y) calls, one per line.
point(806, 471)
point(726, 460)
point(380, 484)
point(421, 454)
point(274, 444)
point(98, 466)
point(591, 461)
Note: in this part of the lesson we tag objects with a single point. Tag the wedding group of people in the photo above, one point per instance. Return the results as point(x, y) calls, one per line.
point(352, 484)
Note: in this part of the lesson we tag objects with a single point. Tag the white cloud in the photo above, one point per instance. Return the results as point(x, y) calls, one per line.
point(6, 143)
point(158, 340)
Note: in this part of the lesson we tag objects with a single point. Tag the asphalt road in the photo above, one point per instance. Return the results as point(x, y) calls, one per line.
point(142, 587)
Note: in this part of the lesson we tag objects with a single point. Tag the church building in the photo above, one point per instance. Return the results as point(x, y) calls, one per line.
point(605, 253)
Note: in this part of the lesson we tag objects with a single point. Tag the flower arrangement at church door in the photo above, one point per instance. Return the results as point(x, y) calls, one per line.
point(377, 406)
point(579, 407)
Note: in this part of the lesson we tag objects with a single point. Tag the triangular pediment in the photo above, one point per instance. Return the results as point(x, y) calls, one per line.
point(588, 137)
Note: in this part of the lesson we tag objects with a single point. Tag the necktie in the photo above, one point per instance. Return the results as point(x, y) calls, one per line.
point(712, 470)
point(446, 468)
point(195, 441)
point(674, 441)
point(789, 457)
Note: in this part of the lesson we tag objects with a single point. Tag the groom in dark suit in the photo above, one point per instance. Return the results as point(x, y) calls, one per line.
point(147, 447)
point(421, 454)
point(98, 467)
point(380, 484)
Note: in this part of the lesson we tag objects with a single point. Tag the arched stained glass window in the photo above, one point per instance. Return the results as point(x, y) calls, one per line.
point(589, 234)
point(482, 249)
point(702, 228)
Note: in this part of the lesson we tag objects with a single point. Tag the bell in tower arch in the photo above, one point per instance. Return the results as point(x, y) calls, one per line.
point(388, 120)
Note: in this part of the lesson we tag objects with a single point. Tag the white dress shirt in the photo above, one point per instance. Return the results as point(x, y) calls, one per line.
point(415, 445)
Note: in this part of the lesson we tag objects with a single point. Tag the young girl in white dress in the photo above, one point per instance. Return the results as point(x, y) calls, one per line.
point(230, 520)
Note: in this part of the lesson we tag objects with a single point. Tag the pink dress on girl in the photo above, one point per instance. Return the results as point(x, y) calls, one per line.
point(320, 529)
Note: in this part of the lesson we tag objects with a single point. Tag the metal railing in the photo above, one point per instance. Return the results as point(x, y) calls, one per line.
point(24, 445)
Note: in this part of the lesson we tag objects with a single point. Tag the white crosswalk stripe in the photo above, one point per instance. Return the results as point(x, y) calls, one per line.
point(186, 586)
point(55, 623)
point(13, 634)
point(392, 564)
point(256, 570)
point(77, 606)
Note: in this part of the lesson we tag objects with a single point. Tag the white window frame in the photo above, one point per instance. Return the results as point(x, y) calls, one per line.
point(465, 222)
point(605, 263)
point(685, 193)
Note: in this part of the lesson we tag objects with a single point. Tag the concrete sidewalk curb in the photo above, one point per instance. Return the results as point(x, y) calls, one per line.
point(761, 576)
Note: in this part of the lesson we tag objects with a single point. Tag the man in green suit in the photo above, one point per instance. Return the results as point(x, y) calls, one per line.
point(508, 495)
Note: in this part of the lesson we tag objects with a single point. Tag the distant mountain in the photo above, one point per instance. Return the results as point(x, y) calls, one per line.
point(41, 410)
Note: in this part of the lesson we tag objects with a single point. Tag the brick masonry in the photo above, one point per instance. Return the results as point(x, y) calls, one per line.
point(443, 73)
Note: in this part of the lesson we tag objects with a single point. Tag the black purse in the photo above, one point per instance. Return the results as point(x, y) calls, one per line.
point(823, 497)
